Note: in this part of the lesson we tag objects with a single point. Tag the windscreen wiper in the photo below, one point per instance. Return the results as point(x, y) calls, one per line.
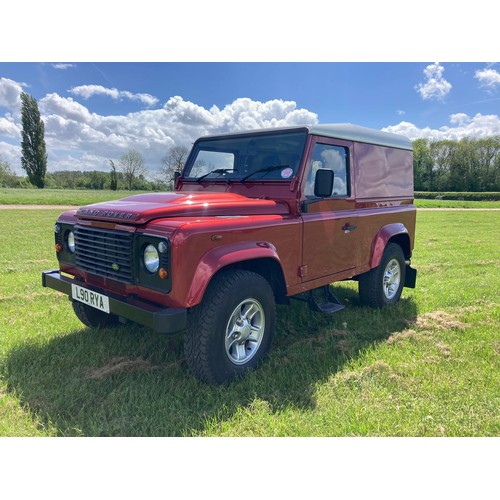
point(265, 169)
point(216, 171)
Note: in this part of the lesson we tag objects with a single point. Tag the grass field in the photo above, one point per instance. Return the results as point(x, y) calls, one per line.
point(427, 367)
point(456, 204)
point(78, 197)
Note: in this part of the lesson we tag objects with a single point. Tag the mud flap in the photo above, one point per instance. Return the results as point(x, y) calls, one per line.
point(410, 277)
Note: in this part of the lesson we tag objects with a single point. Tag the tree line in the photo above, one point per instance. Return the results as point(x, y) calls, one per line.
point(468, 164)
point(465, 165)
point(130, 172)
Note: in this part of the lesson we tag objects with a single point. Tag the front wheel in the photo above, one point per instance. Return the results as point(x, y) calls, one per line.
point(231, 331)
point(383, 285)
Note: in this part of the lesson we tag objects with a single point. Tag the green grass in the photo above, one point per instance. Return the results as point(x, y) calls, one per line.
point(420, 203)
point(77, 197)
point(428, 366)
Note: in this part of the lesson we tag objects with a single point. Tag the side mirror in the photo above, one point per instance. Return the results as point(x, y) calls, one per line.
point(177, 176)
point(323, 183)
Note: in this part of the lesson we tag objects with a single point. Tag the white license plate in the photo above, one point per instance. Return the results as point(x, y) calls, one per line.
point(90, 298)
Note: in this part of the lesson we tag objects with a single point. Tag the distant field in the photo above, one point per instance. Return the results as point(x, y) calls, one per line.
point(430, 366)
point(84, 197)
point(75, 197)
point(456, 204)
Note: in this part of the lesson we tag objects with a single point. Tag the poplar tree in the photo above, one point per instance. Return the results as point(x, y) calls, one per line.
point(34, 156)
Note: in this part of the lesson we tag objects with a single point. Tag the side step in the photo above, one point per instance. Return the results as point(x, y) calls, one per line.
point(323, 300)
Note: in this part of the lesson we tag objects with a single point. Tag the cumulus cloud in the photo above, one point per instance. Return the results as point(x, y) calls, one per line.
point(435, 86)
point(64, 107)
point(87, 91)
point(459, 119)
point(8, 127)
point(11, 154)
point(488, 78)
point(63, 65)
point(463, 126)
point(78, 139)
point(10, 92)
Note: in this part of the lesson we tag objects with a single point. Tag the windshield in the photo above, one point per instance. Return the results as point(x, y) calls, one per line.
point(272, 156)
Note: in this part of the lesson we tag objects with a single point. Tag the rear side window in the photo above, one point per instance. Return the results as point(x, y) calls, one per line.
point(333, 158)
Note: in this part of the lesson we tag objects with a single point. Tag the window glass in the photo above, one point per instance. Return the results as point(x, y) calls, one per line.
point(252, 157)
point(208, 161)
point(333, 158)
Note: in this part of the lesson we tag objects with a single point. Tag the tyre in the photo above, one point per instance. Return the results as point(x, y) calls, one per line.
point(92, 317)
point(383, 285)
point(231, 331)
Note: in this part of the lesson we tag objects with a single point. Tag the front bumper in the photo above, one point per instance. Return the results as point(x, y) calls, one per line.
point(160, 319)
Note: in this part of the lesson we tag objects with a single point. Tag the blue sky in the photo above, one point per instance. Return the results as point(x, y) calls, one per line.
point(212, 77)
point(94, 112)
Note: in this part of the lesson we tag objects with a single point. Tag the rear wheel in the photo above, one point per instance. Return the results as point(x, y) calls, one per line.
point(92, 317)
point(231, 331)
point(383, 285)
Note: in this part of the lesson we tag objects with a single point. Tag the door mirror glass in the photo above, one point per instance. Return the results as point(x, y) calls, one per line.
point(323, 183)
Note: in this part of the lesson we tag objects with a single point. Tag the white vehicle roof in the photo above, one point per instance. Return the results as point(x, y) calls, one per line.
point(345, 131)
point(356, 133)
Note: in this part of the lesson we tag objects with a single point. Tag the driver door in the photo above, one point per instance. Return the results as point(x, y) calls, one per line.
point(331, 232)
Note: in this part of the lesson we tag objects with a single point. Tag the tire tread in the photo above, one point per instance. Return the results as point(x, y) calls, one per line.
point(202, 321)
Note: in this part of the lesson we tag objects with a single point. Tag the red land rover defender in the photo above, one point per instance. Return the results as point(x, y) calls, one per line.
point(256, 218)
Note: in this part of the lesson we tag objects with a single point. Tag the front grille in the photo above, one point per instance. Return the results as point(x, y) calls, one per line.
point(98, 251)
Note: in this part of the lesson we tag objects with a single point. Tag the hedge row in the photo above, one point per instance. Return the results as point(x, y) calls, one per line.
point(433, 195)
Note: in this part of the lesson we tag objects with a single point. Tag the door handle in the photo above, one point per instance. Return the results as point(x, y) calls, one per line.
point(347, 228)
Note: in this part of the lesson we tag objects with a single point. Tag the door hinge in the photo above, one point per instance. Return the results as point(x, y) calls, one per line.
point(302, 271)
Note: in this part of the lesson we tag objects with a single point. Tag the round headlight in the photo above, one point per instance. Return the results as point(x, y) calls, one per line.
point(71, 241)
point(151, 259)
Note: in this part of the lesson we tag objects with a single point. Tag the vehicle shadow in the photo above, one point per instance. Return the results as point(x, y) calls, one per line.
point(128, 381)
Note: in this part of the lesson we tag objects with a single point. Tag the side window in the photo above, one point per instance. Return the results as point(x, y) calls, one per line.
point(331, 158)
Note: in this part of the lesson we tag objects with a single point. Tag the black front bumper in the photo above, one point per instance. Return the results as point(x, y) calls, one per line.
point(160, 319)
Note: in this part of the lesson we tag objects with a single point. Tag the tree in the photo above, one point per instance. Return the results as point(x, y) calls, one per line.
point(174, 162)
point(113, 177)
point(422, 164)
point(468, 164)
point(132, 165)
point(6, 174)
point(34, 156)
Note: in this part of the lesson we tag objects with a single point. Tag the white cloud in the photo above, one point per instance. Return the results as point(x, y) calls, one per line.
point(459, 119)
point(87, 91)
point(488, 78)
point(464, 126)
point(78, 139)
point(8, 127)
point(63, 65)
point(400, 112)
point(10, 92)
point(12, 155)
point(435, 86)
point(64, 107)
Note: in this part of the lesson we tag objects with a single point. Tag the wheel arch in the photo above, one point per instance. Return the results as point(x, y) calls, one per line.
point(258, 257)
point(392, 233)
